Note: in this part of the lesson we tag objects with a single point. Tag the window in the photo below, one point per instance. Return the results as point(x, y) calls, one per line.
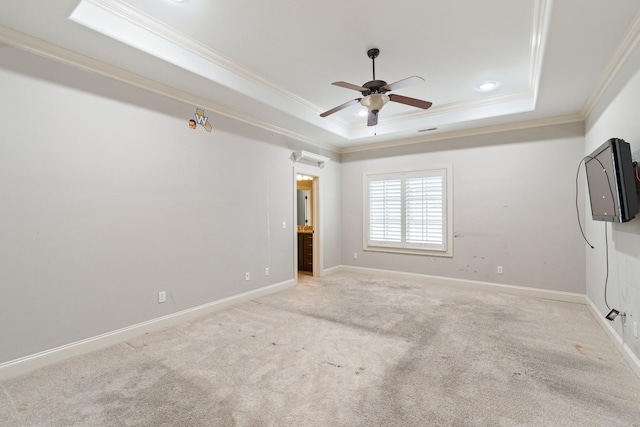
point(408, 212)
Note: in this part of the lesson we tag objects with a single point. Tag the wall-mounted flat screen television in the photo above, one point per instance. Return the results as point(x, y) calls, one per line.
point(611, 179)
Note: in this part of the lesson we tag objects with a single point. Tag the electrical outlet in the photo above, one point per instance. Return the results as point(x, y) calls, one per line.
point(247, 276)
point(162, 296)
point(499, 269)
point(355, 255)
point(266, 271)
point(284, 224)
point(635, 329)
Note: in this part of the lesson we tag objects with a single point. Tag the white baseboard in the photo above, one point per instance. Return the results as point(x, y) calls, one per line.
point(470, 284)
point(619, 343)
point(332, 270)
point(48, 357)
point(58, 354)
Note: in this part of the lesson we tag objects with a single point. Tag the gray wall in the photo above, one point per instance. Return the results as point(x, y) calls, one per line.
point(617, 116)
point(107, 196)
point(514, 206)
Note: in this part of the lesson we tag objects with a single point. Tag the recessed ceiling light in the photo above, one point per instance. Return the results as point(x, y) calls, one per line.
point(487, 86)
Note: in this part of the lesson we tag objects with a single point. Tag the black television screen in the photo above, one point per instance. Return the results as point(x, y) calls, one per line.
point(612, 182)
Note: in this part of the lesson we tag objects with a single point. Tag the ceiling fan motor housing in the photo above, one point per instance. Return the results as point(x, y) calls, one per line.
point(374, 86)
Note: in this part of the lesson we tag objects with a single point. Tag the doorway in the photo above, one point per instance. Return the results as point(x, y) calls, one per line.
point(306, 213)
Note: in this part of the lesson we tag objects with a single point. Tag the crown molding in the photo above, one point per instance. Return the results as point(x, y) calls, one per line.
point(40, 47)
point(539, 31)
point(529, 124)
point(441, 109)
point(137, 17)
point(460, 106)
point(45, 49)
point(123, 10)
point(629, 42)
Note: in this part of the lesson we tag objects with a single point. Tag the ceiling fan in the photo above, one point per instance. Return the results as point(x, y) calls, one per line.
point(374, 93)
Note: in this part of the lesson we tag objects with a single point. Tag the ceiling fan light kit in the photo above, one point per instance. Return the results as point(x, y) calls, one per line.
point(375, 101)
point(374, 93)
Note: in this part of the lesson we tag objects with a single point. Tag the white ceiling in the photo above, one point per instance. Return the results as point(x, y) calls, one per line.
point(271, 63)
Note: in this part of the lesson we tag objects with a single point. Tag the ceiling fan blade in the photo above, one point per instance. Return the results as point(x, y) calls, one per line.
point(341, 107)
point(372, 120)
point(351, 86)
point(410, 101)
point(404, 82)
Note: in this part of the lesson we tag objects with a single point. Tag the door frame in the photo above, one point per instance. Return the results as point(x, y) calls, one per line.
point(316, 221)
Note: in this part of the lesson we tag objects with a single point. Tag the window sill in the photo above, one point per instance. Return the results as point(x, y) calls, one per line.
point(409, 251)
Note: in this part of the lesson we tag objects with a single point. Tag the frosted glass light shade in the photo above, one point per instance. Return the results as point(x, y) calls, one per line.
point(375, 101)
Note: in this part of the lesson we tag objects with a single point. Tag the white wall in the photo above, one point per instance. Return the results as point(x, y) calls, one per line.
point(513, 205)
point(617, 116)
point(331, 199)
point(107, 196)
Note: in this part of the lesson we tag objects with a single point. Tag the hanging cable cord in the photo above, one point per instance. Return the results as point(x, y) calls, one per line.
point(577, 207)
point(606, 237)
point(606, 251)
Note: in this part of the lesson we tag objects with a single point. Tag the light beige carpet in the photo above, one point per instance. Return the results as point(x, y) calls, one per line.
point(347, 350)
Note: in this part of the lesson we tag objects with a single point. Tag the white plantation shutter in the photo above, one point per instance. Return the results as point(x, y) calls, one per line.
point(407, 211)
point(424, 215)
point(385, 210)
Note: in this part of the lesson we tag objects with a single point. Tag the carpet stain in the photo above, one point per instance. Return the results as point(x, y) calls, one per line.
point(158, 396)
point(333, 364)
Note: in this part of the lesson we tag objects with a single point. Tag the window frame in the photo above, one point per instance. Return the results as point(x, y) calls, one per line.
point(447, 233)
